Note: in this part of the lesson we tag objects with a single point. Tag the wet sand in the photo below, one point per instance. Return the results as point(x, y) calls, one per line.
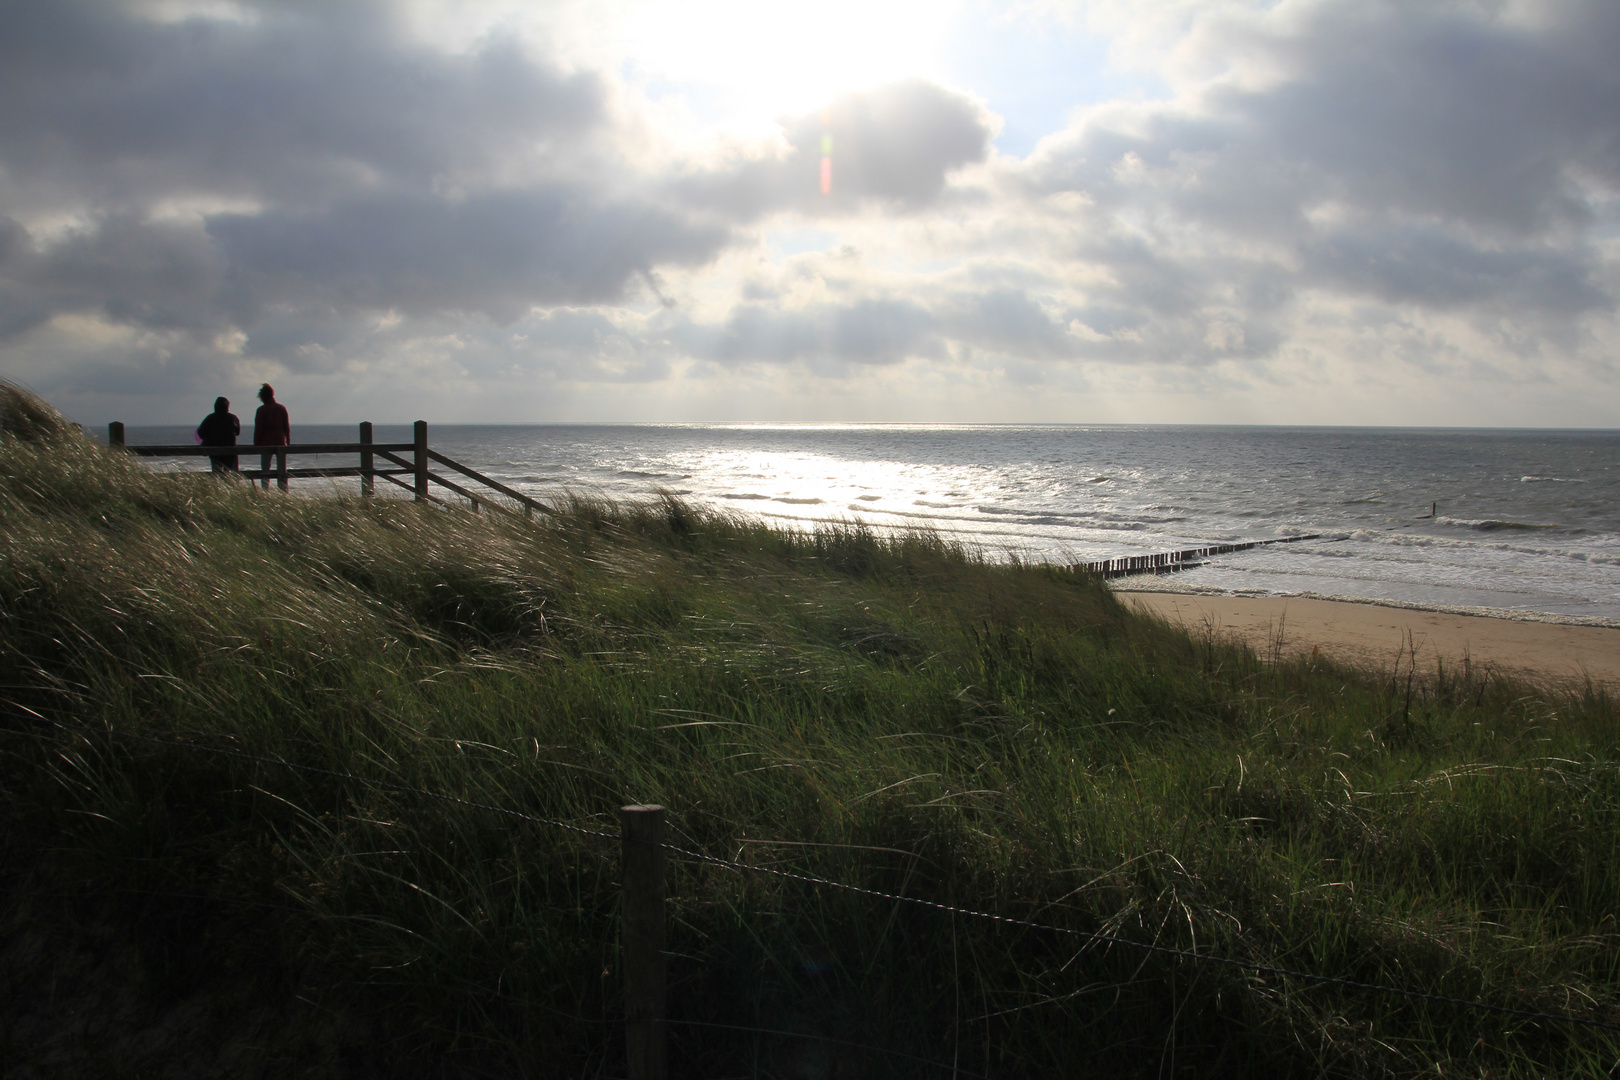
point(1370, 635)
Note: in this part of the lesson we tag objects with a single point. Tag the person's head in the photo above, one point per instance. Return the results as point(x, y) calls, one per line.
point(267, 393)
point(222, 405)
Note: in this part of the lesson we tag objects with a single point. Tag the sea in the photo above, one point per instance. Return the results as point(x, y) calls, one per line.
point(1519, 523)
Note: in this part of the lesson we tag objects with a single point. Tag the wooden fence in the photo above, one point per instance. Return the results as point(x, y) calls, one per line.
point(376, 461)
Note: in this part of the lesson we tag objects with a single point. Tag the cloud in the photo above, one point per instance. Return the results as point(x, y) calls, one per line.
point(350, 167)
point(824, 336)
point(1430, 156)
point(498, 253)
point(1328, 189)
point(300, 104)
point(378, 173)
point(893, 145)
point(160, 276)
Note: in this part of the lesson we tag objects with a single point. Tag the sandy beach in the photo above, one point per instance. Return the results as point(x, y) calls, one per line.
point(1371, 634)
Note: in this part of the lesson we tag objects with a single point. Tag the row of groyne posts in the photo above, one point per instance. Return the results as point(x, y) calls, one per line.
point(376, 461)
point(1168, 562)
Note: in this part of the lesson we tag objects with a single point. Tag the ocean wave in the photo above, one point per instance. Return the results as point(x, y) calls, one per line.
point(743, 496)
point(1419, 540)
point(1549, 480)
point(800, 502)
point(1489, 524)
point(869, 498)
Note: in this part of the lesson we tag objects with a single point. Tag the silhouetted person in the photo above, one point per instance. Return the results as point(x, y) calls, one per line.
point(220, 428)
point(271, 427)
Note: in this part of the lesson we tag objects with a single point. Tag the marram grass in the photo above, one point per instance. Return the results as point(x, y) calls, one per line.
point(895, 713)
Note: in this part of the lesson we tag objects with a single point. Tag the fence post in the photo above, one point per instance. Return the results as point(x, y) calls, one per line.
point(368, 482)
point(115, 433)
point(421, 461)
point(641, 937)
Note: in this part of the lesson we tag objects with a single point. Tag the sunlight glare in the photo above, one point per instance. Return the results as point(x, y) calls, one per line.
point(764, 60)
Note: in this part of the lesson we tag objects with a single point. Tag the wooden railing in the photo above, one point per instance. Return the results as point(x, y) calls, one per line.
point(415, 467)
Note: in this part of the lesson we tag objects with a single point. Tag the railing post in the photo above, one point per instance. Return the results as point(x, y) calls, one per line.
point(421, 461)
point(115, 433)
point(641, 937)
point(368, 482)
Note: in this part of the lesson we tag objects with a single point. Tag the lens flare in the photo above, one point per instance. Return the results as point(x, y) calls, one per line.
point(826, 152)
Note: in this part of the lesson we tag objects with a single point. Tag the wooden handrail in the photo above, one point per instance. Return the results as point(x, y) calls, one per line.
point(476, 499)
point(393, 479)
point(310, 474)
point(496, 484)
point(190, 450)
point(401, 462)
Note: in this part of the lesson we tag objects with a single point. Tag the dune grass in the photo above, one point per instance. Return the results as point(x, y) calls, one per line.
point(898, 714)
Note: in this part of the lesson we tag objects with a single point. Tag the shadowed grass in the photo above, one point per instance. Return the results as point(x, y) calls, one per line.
point(894, 713)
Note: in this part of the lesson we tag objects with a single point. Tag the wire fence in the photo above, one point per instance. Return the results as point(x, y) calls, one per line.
point(888, 897)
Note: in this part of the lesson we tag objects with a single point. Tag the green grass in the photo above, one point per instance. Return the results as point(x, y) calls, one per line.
point(895, 713)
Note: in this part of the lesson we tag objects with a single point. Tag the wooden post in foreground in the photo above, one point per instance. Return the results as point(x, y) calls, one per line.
point(368, 482)
point(641, 937)
point(115, 433)
point(421, 461)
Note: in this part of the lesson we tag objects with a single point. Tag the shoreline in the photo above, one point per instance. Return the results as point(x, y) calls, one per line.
point(1156, 583)
point(1564, 650)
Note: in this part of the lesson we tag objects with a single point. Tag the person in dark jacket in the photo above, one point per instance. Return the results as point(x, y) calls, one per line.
point(271, 427)
point(220, 428)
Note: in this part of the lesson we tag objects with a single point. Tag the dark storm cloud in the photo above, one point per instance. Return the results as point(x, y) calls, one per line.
point(1435, 269)
point(382, 174)
point(157, 276)
point(297, 104)
point(1431, 110)
point(1440, 155)
point(894, 145)
point(499, 253)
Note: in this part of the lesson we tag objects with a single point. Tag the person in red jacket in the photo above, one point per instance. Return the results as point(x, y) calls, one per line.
point(271, 428)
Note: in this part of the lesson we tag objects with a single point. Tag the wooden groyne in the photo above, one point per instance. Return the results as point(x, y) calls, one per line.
point(1168, 562)
point(411, 471)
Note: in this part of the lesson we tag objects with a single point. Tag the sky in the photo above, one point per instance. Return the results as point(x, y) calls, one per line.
point(1115, 211)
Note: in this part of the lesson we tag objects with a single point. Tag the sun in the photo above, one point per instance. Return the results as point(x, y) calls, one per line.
point(748, 63)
